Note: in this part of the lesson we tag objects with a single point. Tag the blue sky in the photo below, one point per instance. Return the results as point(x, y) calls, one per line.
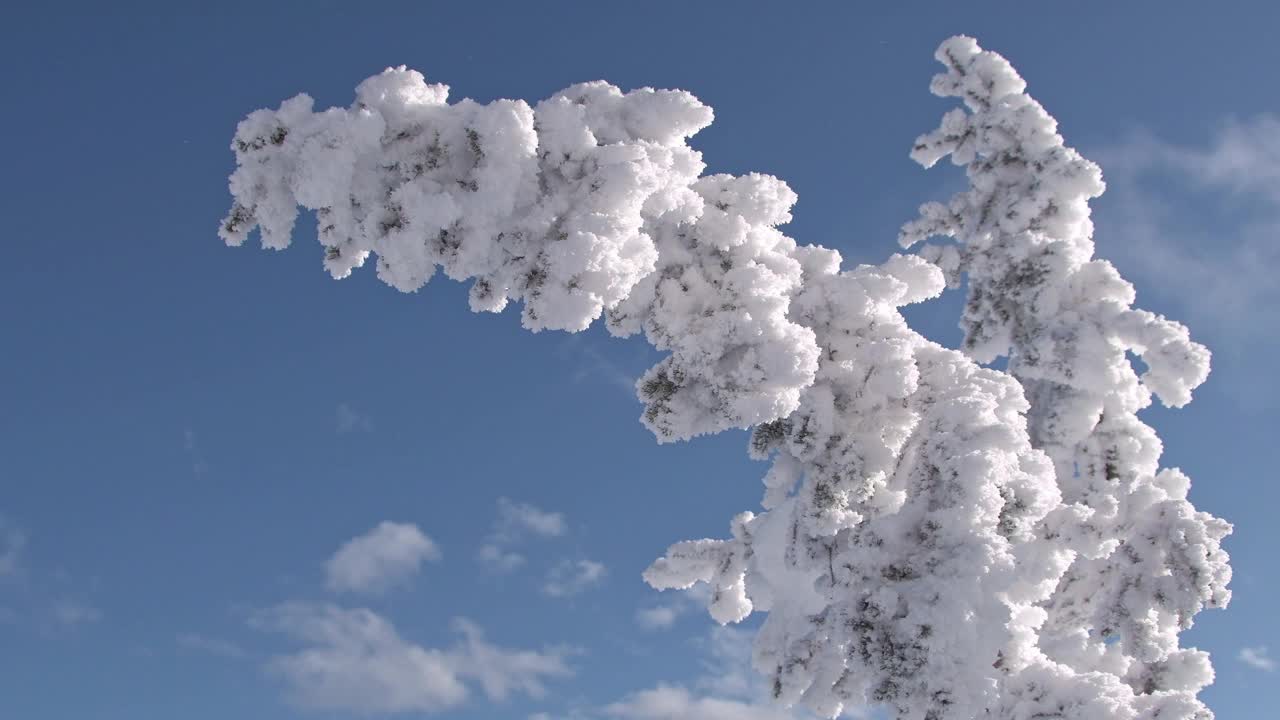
point(190, 433)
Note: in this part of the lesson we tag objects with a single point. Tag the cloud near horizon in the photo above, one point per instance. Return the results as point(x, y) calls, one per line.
point(354, 660)
point(727, 689)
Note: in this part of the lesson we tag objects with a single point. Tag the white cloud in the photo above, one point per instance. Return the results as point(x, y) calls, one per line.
point(38, 603)
point(516, 521)
point(728, 689)
point(659, 617)
point(386, 556)
point(192, 448)
point(1257, 657)
point(12, 542)
point(354, 660)
point(667, 702)
point(70, 613)
point(1244, 157)
point(212, 646)
point(500, 559)
point(595, 364)
point(571, 577)
point(502, 672)
point(679, 602)
point(349, 420)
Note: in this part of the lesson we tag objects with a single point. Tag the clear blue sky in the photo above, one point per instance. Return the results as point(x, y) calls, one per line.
point(188, 432)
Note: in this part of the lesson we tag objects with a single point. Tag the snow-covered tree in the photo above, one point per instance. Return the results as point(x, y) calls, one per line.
point(1146, 561)
point(932, 537)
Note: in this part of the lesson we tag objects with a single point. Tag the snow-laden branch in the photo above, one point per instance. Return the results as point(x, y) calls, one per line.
point(591, 202)
point(913, 542)
point(1147, 560)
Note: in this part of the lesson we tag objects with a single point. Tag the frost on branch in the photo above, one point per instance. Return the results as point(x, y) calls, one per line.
point(895, 556)
point(590, 202)
point(914, 548)
point(1146, 561)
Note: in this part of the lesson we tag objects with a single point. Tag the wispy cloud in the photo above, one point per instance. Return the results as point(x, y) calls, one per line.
point(500, 559)
point(192, 448)
point(45, 600)
point(1213, 265)
point(351, 421)
point(658, 617)
point(70, 613)
point(196, 642)
point(516, 521)
point(502, 672)
point(674, 702)
point(593, 363)
point(12, 543)
point(386, 556)
point(571, 577)
point(354, 660)
point(1257, 657)
point(675, 604)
